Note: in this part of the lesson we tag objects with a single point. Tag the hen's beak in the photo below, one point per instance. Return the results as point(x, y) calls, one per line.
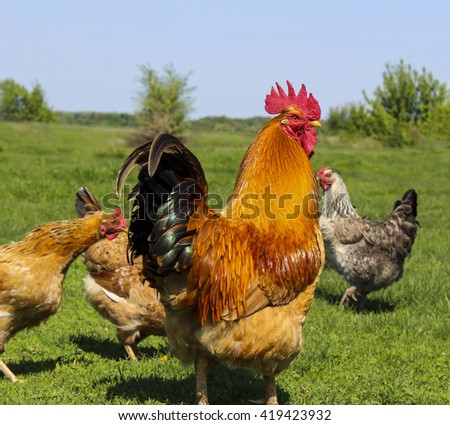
point(315, 124)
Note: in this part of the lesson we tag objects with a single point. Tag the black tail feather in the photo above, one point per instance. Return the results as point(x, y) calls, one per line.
point(137, 158)
point(171, 182)
point(167, 148)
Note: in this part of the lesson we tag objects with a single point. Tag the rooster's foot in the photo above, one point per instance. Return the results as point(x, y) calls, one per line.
point(258, 402)
point(202, 399)
point(271, 390)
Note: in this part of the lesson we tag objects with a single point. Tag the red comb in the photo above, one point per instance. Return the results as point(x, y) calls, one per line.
point(277, 102)
point(322, 171)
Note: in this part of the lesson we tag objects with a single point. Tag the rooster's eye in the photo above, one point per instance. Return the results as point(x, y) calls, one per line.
point(294, 118)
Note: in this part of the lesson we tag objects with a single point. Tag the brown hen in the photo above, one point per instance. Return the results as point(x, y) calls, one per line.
point(32, 270)
point(114, 288)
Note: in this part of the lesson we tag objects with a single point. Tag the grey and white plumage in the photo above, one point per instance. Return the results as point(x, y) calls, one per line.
point(369, 254)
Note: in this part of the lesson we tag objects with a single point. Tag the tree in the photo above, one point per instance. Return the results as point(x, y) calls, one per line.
point(401, 109)
point(164, 100)
point(13, 98)
point(36, 108)
point(407, 95)
point(17, 104)
point(351, 118)
point(402, 105)
point(436, 126)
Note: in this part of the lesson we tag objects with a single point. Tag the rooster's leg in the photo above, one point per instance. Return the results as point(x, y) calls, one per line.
point(349, 294)
point(201, 371)
point(271, 390)
point(131, 351)
point(7, 372)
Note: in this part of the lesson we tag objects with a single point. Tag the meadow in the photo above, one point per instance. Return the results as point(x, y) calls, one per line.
point(396, 352)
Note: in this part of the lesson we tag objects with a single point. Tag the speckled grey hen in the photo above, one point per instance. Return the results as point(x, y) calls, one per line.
point(369, 254)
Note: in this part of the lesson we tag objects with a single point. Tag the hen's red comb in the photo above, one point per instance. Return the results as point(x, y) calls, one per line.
point(277, 102)
point(322, 171)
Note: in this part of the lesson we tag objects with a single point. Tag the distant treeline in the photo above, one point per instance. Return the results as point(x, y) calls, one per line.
point(115, 119)
point(109, 119)
point(229, 125)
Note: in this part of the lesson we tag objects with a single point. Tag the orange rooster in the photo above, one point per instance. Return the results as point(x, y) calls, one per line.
point(113, 286)
point(32, 270)
point(236, 284)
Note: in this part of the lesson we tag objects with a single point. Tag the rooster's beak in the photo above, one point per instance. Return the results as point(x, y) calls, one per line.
point(315, 124)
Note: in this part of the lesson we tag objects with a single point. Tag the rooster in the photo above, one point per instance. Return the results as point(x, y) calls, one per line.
point(113, 286)
point(369, 254)
point(236, 284)
point(32, 270)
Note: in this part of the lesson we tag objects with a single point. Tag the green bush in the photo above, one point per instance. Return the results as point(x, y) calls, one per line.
point(409, 107)
point(164, 101)
point(17, 104)
point(437, 124)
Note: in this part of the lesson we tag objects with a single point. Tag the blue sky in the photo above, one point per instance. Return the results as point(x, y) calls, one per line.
point(86, 54)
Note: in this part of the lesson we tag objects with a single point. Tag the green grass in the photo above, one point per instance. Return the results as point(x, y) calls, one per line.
point(397, 352)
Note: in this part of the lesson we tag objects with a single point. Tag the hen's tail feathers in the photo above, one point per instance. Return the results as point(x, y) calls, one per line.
point(86, 202)
point(410, 199)
point(406, 208)
point(171, 186)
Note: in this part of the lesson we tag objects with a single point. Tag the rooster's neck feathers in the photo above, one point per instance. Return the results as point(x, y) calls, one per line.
point(275, 172)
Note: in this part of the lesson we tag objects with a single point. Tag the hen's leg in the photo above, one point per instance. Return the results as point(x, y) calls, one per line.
point(271, 390)
point(201, 371)
point(7, 372)
point(349, 294)
point(361, 303)
point(131, 351)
